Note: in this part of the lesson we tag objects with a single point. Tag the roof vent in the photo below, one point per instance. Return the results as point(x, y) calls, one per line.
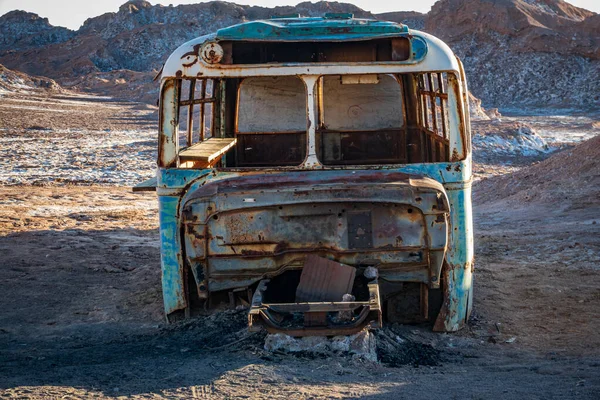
point(339, 16)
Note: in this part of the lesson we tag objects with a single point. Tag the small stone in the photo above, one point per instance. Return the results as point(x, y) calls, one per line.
point(360, 345)
point(345, 316)
point(347, 298)
point(371, 273)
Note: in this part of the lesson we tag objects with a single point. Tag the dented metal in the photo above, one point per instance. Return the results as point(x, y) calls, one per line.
point(226, 227)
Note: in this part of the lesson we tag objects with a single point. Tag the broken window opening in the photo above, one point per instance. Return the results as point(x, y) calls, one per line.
point(271, 122)
point(432, 94)
point(371, 119)
point(379, 50)
point(197, 99)
point(361, 120)
point(201, 123)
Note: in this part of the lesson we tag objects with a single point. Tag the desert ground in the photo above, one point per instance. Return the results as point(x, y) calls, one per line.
point(80, 275)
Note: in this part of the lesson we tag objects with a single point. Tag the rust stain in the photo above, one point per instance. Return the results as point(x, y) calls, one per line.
point(455, 155)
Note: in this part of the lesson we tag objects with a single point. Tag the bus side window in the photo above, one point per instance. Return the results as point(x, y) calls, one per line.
point(196, 110)
point(432, 93)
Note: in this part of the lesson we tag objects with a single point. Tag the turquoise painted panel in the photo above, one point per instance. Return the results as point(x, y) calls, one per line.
point(174, 178)
point(418, 48)
point(171, 261)
point(296, 29)
point(460, 256)
point(178, 178)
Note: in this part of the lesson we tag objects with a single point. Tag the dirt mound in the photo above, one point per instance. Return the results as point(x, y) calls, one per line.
point(15, 81)
point(120, 84)
point(228, 330)
point(222, 330)
point(396, 349)
point(567, 180)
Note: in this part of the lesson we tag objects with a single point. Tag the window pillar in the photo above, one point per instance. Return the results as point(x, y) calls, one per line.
point(168, 125)
point(311, 121)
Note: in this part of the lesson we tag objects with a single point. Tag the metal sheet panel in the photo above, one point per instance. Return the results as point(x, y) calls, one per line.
point(360, 231)
point(324, 280)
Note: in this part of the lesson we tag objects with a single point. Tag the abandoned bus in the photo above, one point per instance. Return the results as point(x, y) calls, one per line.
point(334, 143)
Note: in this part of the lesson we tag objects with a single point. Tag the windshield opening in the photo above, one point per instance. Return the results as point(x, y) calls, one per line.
point(361, 120)
point(371, 119)
point(271, 121)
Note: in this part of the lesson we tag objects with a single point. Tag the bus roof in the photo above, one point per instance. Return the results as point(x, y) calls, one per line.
point(427, 53)
point(332, 27)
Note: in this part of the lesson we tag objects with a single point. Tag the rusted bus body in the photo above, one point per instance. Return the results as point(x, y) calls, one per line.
point(354, 146)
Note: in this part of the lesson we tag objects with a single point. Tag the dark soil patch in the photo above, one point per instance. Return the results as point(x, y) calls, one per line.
point(222, 330)
point(397, 353)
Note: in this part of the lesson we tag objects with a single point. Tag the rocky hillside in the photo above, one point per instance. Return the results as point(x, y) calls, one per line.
point(119, 84)
point(413, 19)
point(516, 52)
point(138, 37)
point(524, 52)
point(20, 30)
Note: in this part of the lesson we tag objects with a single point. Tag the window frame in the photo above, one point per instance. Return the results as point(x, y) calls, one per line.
point(321, 128)
point(433, 119)
point(201, 102)
point(241, 136)
point(168, 148)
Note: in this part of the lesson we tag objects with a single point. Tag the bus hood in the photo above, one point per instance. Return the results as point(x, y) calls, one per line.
point(240, 230)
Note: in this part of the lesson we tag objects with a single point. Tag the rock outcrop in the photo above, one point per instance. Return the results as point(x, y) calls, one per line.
point(20, 30)
point(524, 52)
point(15, 82)
point(413, 19)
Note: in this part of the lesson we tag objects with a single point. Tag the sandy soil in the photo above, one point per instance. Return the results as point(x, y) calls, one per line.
point(75, 138)
point(82, 314)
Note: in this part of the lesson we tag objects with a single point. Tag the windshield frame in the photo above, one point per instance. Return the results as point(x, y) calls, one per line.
point(459, 148)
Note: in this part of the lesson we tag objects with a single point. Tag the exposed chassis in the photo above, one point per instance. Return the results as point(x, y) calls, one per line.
point(269, 315)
